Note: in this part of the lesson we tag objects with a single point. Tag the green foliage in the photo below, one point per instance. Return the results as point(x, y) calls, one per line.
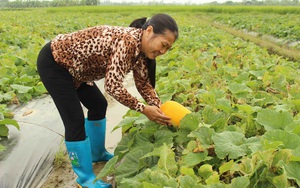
point(243, 131)
point(244, 128)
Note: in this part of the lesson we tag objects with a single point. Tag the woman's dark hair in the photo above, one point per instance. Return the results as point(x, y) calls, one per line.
point(160, 23)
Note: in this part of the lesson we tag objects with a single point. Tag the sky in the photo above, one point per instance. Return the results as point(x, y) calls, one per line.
point(172, 1)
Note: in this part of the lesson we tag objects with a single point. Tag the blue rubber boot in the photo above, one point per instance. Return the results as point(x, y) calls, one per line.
point(81, 160)
point(96, 130)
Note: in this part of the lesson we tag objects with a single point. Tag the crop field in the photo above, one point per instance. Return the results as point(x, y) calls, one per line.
point(244, 129)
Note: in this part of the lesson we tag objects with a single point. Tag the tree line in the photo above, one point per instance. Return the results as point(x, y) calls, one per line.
point(59, 3)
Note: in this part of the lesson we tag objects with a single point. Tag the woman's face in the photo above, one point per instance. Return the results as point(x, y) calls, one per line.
point(154, 45)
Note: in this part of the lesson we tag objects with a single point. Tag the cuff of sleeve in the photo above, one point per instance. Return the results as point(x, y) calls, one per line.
point(140, 107)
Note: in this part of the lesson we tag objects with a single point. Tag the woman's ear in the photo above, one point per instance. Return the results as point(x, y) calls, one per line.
point(149, 31)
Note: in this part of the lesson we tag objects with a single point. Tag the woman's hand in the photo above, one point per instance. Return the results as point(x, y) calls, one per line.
point(153, 113)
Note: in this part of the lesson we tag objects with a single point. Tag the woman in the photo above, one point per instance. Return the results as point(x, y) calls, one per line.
point(69, 65)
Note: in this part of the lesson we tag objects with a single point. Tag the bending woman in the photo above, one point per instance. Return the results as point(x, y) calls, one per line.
point(70, 63)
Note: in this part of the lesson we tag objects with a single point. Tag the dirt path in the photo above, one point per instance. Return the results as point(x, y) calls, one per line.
point(63, 176)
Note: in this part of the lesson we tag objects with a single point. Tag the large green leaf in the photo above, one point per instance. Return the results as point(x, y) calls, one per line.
point(109, 168)
point(125, 124)
point(273, 120)
point(231, 144)
point(280, 139)
point(292, 170)
point(10, 122)
point(237, 88)
point(205, 171)
point(163, 137)
point(167, 162)
point(125, 144)
point(131, 163)
point(189, 123)
point(191, 159)
point(21, 88)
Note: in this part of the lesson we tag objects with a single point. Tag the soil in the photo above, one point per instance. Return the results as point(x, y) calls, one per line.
point(63, 176)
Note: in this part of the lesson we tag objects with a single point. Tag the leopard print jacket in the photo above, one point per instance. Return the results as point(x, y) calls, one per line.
point(108, 52)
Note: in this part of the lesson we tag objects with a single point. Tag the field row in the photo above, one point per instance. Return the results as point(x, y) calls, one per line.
point(283, 28)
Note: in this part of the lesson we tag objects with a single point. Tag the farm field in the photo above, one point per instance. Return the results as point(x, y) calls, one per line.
point(244, 129)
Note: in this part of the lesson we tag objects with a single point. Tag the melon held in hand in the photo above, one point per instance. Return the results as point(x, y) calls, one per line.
point(175, 111)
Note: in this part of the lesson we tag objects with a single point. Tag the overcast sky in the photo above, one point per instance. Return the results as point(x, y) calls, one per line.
point(173, 1)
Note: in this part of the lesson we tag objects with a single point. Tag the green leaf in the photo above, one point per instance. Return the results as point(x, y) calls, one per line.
point(190, 122)
point(125, 124)
point(226, 166)
point(10, 122)
point(239, 182)
point(248, 109)
point(203, 134)
point(189, 181)
point(292, 170)
point(131, 163)
point(231, 144)
point(6, 96)
point(161, 179)
point(211, 115)
point(151, 176)
point(125, 144)
point(236, 88)
point(21, 88)
point(258, 73)
point(279, 181)
point(246, 166)
point(109, 168)
point(225, 105)
point(3, 130)
point(187, 171)
point(213, 179)
point(262, 99)
point(205, 171)
point(150, 185)
point(163, 137)
point(273, 120)
point(254, 144)
point(295, 155)
point(192, 159)
point(167, 161)
point(282, 139)
point(130, 182)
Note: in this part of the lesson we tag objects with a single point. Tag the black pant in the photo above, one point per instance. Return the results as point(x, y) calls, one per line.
point(59, 83)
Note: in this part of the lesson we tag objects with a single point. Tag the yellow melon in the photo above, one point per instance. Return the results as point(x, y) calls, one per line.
point(175, 111)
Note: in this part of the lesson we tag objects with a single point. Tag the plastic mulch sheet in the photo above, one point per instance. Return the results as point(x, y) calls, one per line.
point(30, 152)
